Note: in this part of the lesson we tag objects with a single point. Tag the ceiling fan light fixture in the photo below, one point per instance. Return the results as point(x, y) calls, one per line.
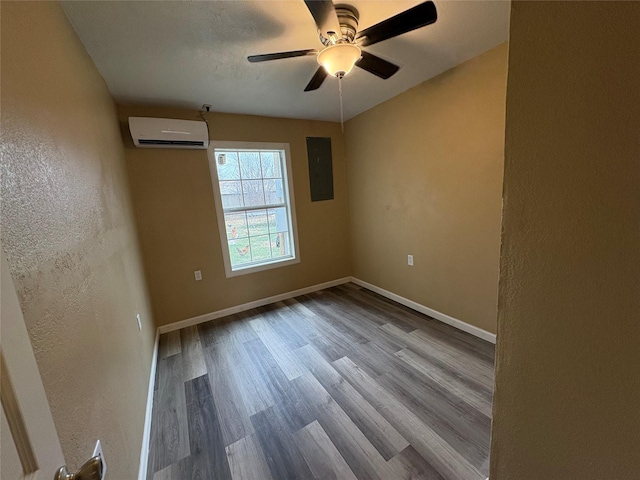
point(338, 60)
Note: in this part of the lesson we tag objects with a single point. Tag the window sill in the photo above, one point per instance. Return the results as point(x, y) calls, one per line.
point(259, 268)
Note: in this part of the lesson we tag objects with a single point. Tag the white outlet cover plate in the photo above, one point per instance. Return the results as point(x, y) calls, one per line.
point(139, 323)
point(198, 274)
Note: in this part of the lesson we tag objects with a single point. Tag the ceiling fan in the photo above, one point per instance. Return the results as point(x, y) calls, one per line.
point(338, 32)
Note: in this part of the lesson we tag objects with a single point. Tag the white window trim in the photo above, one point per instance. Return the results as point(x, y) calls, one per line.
point(287, 182)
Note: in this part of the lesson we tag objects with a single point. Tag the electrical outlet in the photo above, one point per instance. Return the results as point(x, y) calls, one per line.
point(139, 322)
point(410, 260)
point(198, 275)
point(97, 452)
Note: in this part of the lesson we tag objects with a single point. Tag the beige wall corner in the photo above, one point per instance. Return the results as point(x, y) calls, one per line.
point(68, 234)
point(425, 178)
point(176, 216)
point(568, 353)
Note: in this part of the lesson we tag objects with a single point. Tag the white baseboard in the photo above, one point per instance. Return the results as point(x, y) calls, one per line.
point(248, 306)
point(146, 434)
point(443, 317)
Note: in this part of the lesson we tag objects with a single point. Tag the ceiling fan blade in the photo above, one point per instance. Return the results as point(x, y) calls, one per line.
point(316, 80)
point(277, 56)
point(376, 65)
point(324, 13)
point(416, 17)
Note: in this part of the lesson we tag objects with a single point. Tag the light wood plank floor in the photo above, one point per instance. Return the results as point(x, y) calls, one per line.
point(341, 383)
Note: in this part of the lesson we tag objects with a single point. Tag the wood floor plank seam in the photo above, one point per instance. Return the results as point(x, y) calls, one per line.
point(378, 431)
point(447, 460)
point(246, 459)
point(231, 408)
point(282, 455)
point(321, 455)
point(208, 458)
point(447, 381)
point(353, 445)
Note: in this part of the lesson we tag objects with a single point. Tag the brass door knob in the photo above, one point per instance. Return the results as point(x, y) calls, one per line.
point(91, 470)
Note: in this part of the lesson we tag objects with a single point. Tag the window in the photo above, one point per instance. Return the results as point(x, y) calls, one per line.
point(254, 202)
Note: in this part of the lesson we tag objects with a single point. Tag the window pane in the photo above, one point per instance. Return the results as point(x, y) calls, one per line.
point(231, 193)
point(280, 245)
point(239, 252)
point(229, 170)
point(278, 220)
point(253, 193)
point(271, 214)
point(257, 222)
point(260, 248)
point(270, 196)
point(236, 225)
point(279, 192)
point(270, 165)
point(250, 165)
point(277, 165)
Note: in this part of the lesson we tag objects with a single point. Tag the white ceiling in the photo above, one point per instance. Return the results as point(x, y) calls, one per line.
point(186, 54)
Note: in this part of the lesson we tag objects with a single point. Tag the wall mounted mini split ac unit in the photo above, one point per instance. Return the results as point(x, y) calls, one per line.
point(168, 133)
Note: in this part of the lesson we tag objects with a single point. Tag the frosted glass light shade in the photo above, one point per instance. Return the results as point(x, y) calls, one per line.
point(339, 59)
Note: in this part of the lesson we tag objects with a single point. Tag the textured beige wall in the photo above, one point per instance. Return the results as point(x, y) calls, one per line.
point(176, 216)
point(425, 178)
point(568, 356)
point(67, 231)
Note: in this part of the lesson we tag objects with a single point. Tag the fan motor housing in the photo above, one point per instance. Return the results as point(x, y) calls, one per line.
point(348, 17)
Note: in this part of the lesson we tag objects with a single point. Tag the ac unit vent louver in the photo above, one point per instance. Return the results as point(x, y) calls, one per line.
point(183, 143)
point(168, 133)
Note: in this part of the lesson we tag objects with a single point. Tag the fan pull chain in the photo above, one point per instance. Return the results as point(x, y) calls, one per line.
point(341, 110)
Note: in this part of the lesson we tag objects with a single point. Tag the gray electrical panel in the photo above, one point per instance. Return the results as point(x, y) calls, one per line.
point(320, 168)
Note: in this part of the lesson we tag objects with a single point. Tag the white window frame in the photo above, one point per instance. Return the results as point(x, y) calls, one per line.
point(288, 187)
